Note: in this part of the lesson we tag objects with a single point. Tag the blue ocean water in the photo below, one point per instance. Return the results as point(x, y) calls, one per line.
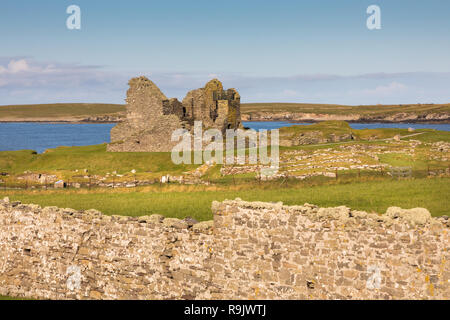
point(258, 125)
point(42, 136)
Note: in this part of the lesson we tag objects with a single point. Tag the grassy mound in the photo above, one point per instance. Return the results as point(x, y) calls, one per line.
point(339, 128)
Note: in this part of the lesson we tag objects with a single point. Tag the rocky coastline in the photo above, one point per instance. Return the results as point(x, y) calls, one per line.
point(431, 118)
point(74, 120)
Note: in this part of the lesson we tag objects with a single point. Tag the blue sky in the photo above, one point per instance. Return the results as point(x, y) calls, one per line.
point(317, 51)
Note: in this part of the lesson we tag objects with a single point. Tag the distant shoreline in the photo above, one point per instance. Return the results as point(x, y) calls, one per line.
point(355, 121)
point(97, 113)
point(59, 121)
point(265, 120)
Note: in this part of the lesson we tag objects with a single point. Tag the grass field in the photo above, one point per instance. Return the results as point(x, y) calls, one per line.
point(69, 163)
point(333, 109)
point(59, 111)
point(195, 201)
point(326, 127)
point(94, 158)
point(97, 160)
point(366, 190)
point(12, 298)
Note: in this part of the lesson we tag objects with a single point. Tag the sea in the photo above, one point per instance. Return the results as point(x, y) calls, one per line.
point(41, 136)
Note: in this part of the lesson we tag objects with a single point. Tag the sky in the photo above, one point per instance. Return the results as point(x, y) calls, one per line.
point(310, 51)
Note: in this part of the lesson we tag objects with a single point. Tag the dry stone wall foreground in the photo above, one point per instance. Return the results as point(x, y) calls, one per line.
point(250, 251)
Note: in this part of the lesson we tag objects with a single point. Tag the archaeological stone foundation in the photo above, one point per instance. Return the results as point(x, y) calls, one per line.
point(250, 251)
point(152, 118)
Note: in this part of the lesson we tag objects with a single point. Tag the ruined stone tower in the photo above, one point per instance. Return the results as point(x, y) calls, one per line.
point(152, 117)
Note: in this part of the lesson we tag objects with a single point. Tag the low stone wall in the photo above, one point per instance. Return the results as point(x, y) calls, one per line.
point(250, 251)
point(57, 253)
point(267, 251)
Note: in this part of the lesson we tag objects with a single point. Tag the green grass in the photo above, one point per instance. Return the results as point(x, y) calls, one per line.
point(431, 135)
point(342, 127)
point(370, 192)
point(64, 161)
point(12, 298)
point(58, 111)
point(326, 127)
point(195, 201)
point(97, 160)
point(382, 133)
point(94, 158)
point(420, 109)
point(401, 160)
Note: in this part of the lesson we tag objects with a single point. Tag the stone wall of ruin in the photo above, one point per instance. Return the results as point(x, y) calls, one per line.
point(152, 118)
point(147, 126)
point(249, 251)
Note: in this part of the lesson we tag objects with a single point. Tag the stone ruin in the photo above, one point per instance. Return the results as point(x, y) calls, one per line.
point(152, 117)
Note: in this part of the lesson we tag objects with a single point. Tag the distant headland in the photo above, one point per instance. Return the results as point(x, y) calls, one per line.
point(298, 112)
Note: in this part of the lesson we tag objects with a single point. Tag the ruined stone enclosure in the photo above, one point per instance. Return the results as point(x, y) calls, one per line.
point(152, 117)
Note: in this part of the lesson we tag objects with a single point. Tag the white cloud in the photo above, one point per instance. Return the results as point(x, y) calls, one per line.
point(390, 89)
point(290, 93)
point(25, 80)
point(15, 66)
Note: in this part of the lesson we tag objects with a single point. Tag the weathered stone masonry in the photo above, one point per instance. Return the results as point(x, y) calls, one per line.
point(152, 118)
point(249, 251)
